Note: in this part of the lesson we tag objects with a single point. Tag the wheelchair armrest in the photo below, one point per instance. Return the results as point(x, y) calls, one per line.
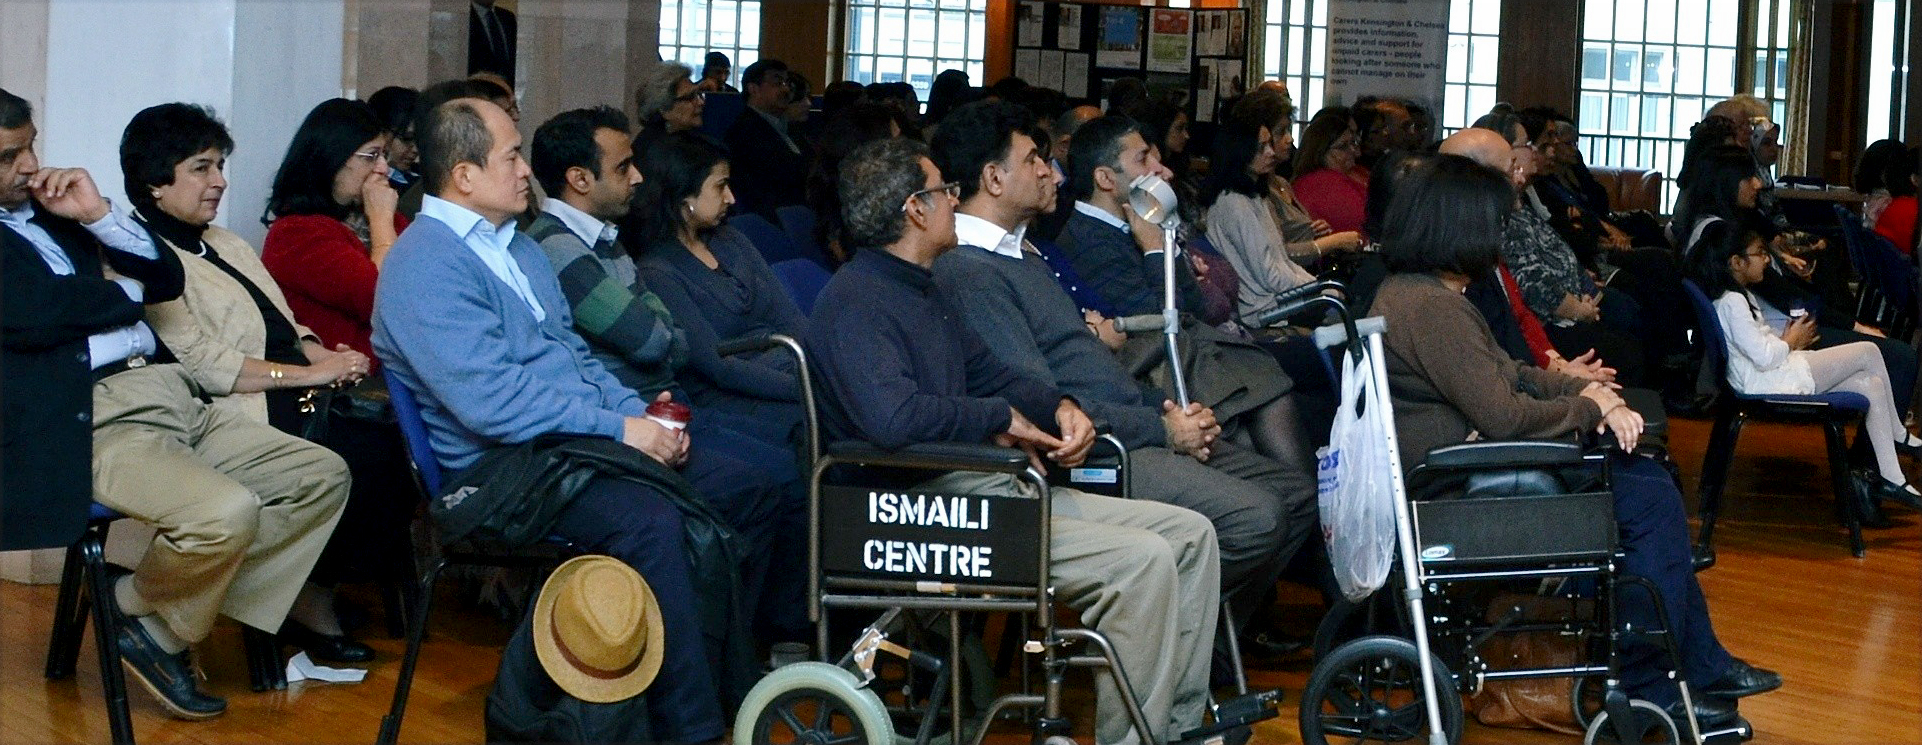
point(1501, 454)
point(932, 456)
point(744, 344)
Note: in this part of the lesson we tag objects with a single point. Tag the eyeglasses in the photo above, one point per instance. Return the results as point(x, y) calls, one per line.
point(691, 96)
point(372, 155)
point(953, 189)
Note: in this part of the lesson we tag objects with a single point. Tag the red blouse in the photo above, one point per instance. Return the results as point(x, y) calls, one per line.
point(1897, 223)
point(1333, 196)
point(327, 276)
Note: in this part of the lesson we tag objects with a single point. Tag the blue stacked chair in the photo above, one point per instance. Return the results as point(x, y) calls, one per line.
point(1834, 411)
point(1887, 295)
point(771, 241)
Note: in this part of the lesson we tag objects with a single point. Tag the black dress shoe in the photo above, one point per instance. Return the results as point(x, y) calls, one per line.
point(1710, 713)
point(1911, 448)
point(1743, 679)
point(322, 646)
point(1899, 494)
point(169, 677)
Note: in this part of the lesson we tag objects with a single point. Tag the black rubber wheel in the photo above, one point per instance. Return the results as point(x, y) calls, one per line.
point(1369, 690)
point(1652, 726)
point(1585, 699)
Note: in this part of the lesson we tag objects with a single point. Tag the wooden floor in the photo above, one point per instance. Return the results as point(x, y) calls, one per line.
point(1845, 633)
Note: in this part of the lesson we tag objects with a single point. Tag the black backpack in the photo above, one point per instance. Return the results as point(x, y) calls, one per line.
point(526, 706)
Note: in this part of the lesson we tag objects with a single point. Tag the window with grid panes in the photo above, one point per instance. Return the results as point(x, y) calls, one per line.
point(1650, 68)
point(1296, 51)
point(911, 41)
point(692, 28)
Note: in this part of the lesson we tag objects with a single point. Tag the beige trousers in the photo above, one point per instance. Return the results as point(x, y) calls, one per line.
point(241, 510)
point(1145, 574)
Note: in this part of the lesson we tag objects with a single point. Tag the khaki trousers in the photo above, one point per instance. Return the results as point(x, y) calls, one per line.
point(1145, 574)
point(241, 510)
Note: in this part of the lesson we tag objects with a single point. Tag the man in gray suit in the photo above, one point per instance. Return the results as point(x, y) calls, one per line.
point(1262, 512)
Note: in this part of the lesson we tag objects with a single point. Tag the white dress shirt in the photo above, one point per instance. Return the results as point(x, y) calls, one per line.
point(118, 232)
point(487, 242)
point(974, 231)
point(588, 228)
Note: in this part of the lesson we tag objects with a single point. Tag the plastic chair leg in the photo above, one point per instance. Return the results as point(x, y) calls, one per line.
point(69, 615)
point(416, 631)
point(1845, 496)
point(113, 681)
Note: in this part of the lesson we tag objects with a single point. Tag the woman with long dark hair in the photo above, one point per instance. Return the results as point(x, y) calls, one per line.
point(1449, 382)
point(715, 283)
point(331, 219)
point(1240, 225)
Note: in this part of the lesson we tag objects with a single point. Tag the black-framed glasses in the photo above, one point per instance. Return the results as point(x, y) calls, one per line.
point(952, 188)
point(691, 96)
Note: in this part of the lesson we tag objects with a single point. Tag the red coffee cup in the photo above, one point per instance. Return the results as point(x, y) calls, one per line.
point(673, 415)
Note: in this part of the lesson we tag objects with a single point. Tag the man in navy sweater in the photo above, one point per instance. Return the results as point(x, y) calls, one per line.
point(470, 318)
point(896, 367)
point(1262, 512)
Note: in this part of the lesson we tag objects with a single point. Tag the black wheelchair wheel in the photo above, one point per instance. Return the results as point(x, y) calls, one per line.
point(1652, 726)
point(1585, 699)
point(1369, 690)
point(812, 703)
point(1348, 620)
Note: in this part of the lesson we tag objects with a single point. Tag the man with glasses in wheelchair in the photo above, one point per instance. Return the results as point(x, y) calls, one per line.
point(1451, 383)
point(895, 367)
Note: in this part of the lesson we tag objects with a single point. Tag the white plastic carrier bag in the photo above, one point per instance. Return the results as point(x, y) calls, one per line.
point(1356, 494)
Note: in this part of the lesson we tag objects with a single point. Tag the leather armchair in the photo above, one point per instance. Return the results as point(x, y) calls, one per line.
point(1630, 189)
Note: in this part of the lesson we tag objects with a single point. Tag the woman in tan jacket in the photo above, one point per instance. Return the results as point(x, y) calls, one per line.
point(232, 329)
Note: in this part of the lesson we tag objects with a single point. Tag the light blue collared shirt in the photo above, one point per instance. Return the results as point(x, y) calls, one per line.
point(487, 242)
point(118, 232)
point(588, 228)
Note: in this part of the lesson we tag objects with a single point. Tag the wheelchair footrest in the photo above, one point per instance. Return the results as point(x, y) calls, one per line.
point(1235, 719)
point(1727, 735)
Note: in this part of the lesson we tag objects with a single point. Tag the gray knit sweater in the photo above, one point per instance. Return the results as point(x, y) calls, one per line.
point(1033, 326)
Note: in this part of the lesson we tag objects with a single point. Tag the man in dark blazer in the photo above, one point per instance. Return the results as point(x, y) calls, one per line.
point(490, 39)
point(44, 353)
point(769, 167)
point(97, 411)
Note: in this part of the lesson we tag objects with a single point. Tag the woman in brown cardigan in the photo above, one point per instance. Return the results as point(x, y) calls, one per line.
point(1450, 383)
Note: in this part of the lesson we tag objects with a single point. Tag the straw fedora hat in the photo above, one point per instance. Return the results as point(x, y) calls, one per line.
point(597, 630)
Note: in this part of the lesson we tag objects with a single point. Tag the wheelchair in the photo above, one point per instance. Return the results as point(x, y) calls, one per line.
point(919, 559)
point(1472, 520)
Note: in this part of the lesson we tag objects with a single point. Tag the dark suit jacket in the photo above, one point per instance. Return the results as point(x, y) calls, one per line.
point(481, 56)
point(45, 379)
point(765, 173)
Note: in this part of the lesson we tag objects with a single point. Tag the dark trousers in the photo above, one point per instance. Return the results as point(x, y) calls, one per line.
point(1654, 534)
point(635, 524)
point(756, 486)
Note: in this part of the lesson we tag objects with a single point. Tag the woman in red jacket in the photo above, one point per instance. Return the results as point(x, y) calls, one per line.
point(331, 220)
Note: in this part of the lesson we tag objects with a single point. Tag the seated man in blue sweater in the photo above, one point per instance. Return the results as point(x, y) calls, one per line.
point(1262, 512)
point(468, 316)
point(896, 366)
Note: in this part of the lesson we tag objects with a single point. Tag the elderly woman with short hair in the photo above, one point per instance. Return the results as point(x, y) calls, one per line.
point(668, 101)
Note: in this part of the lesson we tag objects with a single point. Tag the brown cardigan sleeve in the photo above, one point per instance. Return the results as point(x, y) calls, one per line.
point(1449, 345)
point(1551, 384)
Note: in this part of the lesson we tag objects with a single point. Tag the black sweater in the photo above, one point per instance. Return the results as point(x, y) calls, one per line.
point(893, 364)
